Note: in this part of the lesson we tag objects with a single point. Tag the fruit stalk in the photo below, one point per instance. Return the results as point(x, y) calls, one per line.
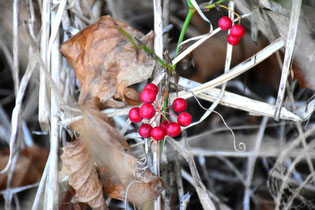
point(238, 16)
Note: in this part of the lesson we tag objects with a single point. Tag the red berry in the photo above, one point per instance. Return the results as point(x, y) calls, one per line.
point(153, 87)
point(145, 130)
point(164, 124)
point(179, 105)
point(237, 31)
point(134, 115)
point(225, 23)
point(173, 129)
point(147, 111)
point(157, 133)
point(184, 119)
point(233, 40)
point(147, 96)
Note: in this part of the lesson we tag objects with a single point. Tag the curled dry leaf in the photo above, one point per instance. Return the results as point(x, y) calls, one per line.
point(116, 165)
point(105, 62)
point(132, 97)
point(83, 177)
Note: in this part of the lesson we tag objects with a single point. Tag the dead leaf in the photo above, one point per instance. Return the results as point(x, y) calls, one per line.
point(66, 203)
point(105, 62)
point(132, 97)
point(29, 167)
point(83, 177)
point(297, 73)
point(304, 50)
point(104, 147)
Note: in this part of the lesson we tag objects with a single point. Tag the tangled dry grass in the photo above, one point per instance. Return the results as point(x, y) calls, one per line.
point(251, 145)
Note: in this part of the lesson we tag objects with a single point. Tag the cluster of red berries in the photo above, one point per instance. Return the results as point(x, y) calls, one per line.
point(236, 32)
point(150, 108)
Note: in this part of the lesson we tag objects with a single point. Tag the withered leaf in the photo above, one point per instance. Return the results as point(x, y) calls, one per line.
point(132, 97)
point(28, 169)
point(105, 62)
point(83, 177)
point(304, 49)
point(106, 149)
point(66, 204)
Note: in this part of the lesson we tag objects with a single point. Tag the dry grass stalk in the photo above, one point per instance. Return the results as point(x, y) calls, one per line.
point(41, 188)
point(240, 68)
point(202, 192)
point(6, 127)
point(43, 105)
point(180, 186)
point(15, 48)
point(251, 163)
point(50, 52)
point(158, 50)
point(289, 47)
point(51, 200)
point(285, 180)
point(17, 109)
point(236, 101)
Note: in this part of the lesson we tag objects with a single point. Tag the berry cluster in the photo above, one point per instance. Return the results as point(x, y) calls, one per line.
point(150, 108)
point(236, 33)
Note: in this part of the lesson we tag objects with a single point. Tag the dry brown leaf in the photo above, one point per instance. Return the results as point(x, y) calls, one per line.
point(304, 49)
point(83, 177)
point(115, 162)
point(132, 97)
point(66, 203)
point(28, 169)
point(105, 62)
point(110, 152)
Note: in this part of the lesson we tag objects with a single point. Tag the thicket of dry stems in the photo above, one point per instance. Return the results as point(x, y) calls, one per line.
point(57, 91)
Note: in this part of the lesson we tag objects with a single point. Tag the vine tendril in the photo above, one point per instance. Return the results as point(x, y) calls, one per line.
point(241, 147)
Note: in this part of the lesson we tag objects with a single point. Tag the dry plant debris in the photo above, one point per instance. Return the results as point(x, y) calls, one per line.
point(105, 62)
point(104, 170)
point(28, 169)
point(101, 144)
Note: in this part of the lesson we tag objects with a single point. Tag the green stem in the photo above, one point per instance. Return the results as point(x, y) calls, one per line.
point(139, 47)
point(189, 4)
point(127, 35)
point(191, 12)
point(145, 48)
